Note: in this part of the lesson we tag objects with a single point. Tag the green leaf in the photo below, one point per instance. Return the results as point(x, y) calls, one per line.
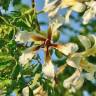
point(15, 71)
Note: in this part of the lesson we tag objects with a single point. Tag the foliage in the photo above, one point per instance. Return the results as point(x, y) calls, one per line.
point(66, 69)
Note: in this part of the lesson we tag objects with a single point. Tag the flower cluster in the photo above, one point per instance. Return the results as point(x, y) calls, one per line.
point(45, 43)
point(75, 59)
point(79, 6)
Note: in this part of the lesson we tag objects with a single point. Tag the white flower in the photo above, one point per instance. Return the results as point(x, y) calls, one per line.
point(90, 13)
point(49, 69)
point(26, 56)
point(23, 37)
point(74, 82)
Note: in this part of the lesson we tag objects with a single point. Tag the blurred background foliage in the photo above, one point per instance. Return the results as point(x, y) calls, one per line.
point(14, 77)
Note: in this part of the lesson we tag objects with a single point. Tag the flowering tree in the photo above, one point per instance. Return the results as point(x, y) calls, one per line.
point(34, 62)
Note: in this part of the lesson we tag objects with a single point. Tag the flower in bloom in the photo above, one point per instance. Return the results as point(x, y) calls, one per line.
point(78, 62)
point(46, 43)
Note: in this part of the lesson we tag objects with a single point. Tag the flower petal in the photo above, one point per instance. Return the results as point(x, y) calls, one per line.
point(37, 37)
point(28, 54)
point(74, 61)
point(67, 16)
point(39, 91)
point(49, 69)
point(89, 67)
point(25, 91)
point(67, 48)
point(79, 7)
point(88, 15)
point(74, 82)
point(23, 37)
point(68, 3)
point(52, 8)
point(89, 76)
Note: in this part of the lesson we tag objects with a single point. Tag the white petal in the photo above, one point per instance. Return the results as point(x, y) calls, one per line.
point(52, 8)
point(74, 82)
point(56, 22)
point(26, 56)
point(23, 37)
point(68, 3)
point(37, 90)
point(49, 69)
point(89, 67)
point(74, 60)
point(67, 16)
point(46, 2)
point(91, 4)
point(25, 91)
point(68, 48)
point(89, 76)
point(68, 81)
point(88, 15)
point(79, 7)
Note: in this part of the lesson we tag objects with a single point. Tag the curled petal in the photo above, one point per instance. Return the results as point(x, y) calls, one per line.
point(67, 49)
point(74, 60)
point(74, 82)
point(89, 67)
